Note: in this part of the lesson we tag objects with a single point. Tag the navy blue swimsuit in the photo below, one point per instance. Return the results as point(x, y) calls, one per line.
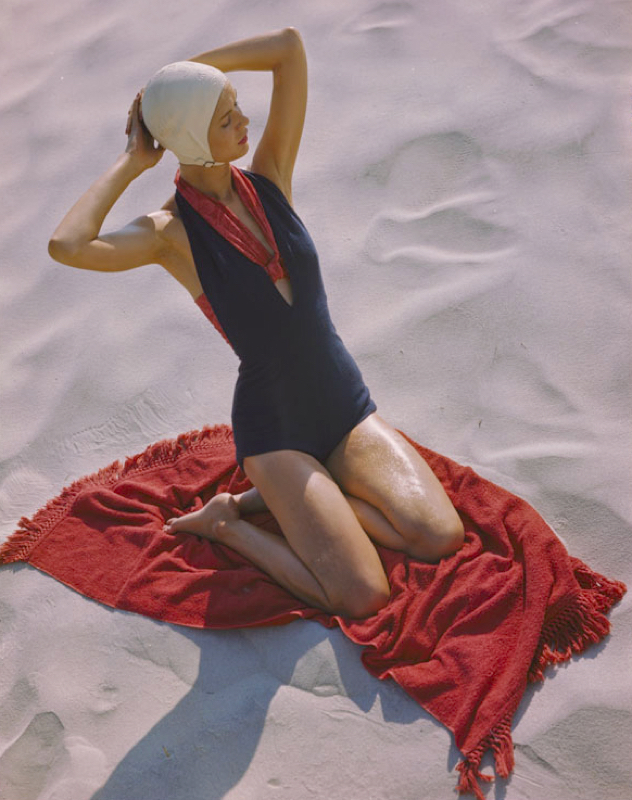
point(298, 386)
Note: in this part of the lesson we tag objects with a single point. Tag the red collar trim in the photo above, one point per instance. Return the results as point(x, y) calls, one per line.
point(228, 224)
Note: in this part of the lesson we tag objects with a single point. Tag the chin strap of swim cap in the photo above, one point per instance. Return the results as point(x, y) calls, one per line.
point(177, 106)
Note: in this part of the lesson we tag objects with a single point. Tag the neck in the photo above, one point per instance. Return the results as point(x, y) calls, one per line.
point(216, 182)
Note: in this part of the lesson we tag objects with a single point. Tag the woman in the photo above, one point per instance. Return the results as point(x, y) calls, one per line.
point(339, 479)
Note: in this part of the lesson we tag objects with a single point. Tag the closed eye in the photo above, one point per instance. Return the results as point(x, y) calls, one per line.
point(227, 123)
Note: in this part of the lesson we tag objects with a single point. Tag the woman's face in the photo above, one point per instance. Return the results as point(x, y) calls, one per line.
point(227, 133)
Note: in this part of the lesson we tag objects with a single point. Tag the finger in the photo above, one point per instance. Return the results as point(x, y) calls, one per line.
point(134, 111)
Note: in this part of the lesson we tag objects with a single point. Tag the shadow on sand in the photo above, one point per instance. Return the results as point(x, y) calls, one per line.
point(204, 746)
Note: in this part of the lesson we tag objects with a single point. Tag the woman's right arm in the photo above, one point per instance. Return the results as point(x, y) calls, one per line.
point(77, 242)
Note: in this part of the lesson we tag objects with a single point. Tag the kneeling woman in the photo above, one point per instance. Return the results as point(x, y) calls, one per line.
point(334, 474)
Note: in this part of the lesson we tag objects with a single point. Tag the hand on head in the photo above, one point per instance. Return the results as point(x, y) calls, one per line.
point(140, 142)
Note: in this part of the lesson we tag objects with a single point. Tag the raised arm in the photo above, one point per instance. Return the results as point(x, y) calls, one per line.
point(77, 240)
point(282, 53)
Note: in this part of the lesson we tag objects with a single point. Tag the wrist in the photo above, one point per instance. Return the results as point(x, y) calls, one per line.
point(130, 165)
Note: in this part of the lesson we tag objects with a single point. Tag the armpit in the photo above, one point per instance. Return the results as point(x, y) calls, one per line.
point(170, 205)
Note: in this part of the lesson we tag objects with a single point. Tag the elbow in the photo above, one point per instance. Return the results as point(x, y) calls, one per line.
point(292, 35)
point(293, 41)
point(55, 248)
point(60, 251)
point(291, 54)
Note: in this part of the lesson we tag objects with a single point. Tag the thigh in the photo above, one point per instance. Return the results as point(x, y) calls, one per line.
point(376, 464)
point(320, 527)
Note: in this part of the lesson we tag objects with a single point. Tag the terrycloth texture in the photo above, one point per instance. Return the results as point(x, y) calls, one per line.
point(462, 637)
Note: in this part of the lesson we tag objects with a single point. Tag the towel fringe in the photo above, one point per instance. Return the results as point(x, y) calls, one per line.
point(469, 780)
point(572, 627)
point(499, 741)
point(579, 623)
point(604, 591)
point(31, 529)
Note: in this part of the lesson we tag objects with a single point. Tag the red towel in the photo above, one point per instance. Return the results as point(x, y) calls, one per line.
point(463, 637)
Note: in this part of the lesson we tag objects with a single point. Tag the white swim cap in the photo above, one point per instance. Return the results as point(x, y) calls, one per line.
point(177, 107)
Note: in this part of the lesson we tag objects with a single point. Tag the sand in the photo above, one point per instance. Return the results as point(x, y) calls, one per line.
point(465, 172)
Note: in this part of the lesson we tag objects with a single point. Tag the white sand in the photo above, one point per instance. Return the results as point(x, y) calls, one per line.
point(465, 173)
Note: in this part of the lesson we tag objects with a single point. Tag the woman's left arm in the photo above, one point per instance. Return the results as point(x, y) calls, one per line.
point(283, 53)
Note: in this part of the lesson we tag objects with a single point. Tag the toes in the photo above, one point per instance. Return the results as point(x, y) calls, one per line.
point(187, 523)
point(204, 521)
point(173, 525)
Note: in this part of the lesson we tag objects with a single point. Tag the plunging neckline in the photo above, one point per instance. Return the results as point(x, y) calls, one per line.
point(229, 225)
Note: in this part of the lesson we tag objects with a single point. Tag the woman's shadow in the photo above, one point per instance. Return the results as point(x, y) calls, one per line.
point(204, 746)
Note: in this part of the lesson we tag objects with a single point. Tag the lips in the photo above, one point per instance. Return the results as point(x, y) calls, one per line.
point(244, 140)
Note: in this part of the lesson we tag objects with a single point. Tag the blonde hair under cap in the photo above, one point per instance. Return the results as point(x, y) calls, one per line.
point(177, 107)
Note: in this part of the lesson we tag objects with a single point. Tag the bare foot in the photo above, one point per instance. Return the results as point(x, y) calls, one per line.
point(208, 521)
point(250, 502)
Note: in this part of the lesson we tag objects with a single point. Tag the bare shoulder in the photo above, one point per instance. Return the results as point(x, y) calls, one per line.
point(171, 204)
point(175, 252)
point(168, 225)
point(160, 238)
point(176, 256)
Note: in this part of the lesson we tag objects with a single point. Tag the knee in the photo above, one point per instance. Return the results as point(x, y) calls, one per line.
point(439, 540)
point(363, 602)
point(452, 536)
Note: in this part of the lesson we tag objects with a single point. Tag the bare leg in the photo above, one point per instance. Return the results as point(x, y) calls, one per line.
point(376, 524)
point(394, 493)
point(219, 521)
point(250, 502)
point(326, 558)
